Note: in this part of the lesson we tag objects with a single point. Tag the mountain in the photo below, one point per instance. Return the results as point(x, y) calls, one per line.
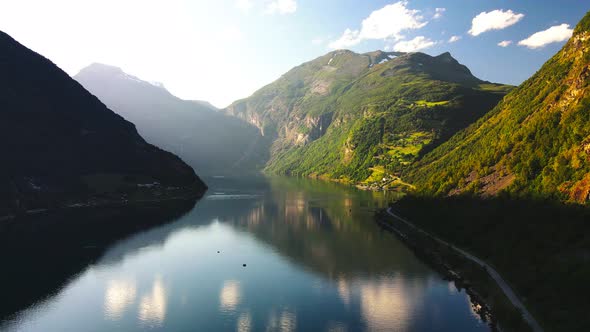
point(205, 104)
point(535, 143)
point(211, 142)
point(513, 188)
point(61, 145)
point(362, 118)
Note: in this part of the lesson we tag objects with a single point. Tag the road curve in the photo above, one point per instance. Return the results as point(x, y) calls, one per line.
point(510, 294)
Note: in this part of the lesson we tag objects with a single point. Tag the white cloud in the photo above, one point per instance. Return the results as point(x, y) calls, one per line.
point(390, 21)
point(438, 12)
point(505, 43)
point(349, 38)
point(494, 20)
point(281, 7)
point(385, 23)
point(554, 34)
point(244, 5)
point(414, 45)
point(454, 39)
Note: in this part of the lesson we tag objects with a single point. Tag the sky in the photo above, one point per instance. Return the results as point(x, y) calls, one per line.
point(224, 50)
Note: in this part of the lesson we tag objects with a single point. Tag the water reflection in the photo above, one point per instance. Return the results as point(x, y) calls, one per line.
point(119, 295)
point(336, 327)
point(316, 225)
point(344, 290)
point(244, 323)
point(229, 297)
point(316, 261)
point(152, 308)
point(388, 303)
point(64, 243)
point(285, 321)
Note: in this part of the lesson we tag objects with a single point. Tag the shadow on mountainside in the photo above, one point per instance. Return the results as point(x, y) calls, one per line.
point(539, 246)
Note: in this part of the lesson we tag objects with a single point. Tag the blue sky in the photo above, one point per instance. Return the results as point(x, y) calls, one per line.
point(222, 50)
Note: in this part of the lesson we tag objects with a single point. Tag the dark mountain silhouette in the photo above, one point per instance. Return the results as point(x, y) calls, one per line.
point(61, 145)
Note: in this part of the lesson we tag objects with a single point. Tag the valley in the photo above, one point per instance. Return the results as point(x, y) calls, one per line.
point(360, 190)
point(209, 141)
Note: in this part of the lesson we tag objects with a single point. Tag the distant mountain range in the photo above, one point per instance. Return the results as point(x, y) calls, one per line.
point(211, 142)
point(380, 120)
point(535, 143)
point(62, 146)
point(363, 118)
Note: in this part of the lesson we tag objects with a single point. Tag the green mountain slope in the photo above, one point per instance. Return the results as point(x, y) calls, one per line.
point(363, 118)
point(536, 142)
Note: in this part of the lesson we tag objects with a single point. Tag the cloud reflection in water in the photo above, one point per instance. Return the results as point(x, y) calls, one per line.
point(229, 297)
point(119, 295)
point(152, 307)
point(244, 323)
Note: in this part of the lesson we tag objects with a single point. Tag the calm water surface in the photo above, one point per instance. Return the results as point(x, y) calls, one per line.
point(316, 261)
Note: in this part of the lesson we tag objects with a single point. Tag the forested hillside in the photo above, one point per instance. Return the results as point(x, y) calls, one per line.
point(535, 143)
point(363, 118)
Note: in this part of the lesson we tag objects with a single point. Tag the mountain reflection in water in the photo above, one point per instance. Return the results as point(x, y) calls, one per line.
point(315, 260)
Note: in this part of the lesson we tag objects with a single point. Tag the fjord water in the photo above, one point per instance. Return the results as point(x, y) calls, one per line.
point(315, 261)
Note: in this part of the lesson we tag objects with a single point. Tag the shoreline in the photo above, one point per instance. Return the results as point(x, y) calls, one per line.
point(452, 263)
point(482, 308)
point(491, 271)
point(102, 203)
